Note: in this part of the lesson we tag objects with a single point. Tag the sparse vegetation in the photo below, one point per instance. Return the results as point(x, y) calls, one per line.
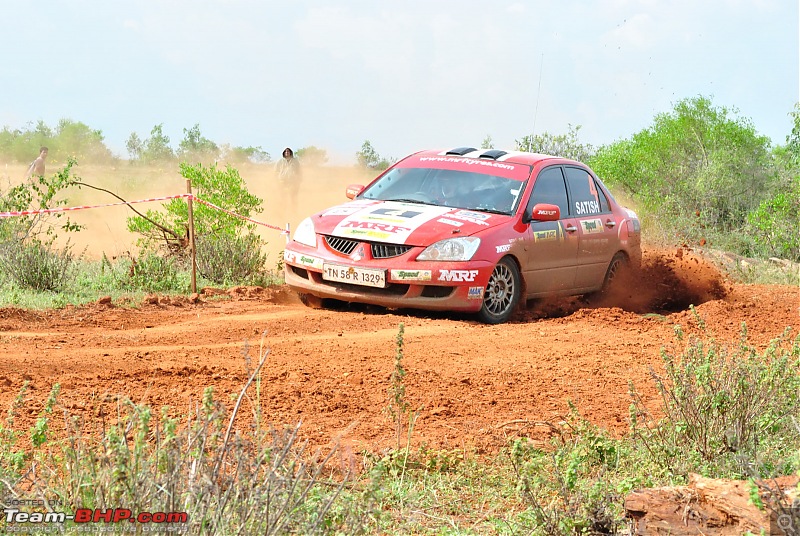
point(230, 470)
point(728, 411)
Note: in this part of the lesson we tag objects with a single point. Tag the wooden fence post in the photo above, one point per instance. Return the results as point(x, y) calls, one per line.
point(192, 249)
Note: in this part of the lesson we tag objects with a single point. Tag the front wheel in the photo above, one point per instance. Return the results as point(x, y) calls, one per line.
point(502, 293)
point(309, 300)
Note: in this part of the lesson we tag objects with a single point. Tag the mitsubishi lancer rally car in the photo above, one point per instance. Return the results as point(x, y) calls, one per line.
point(477, 231)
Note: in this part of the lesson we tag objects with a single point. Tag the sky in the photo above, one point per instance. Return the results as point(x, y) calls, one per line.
point(404, 75)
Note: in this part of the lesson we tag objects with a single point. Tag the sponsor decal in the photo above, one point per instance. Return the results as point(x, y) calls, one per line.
point(349, 208)
point(457, 275)
point(397, 213)
point(304, 260)
point(467, 162)
point(475, 293)
point(387, 222)
point(450, 222)
point(544, 236)
point(592, 226)
point(542, 212)
point(310, 261)
point(376, 226)
point(503, 248)
point(586, 207)
point(472, 217)
point(411, 275)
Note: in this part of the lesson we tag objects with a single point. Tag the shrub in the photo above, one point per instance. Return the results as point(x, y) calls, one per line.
point(568, 486)
point(230, 259)
point(224, 188)
point(727, 411)
point(34, 265)
point(151, 272)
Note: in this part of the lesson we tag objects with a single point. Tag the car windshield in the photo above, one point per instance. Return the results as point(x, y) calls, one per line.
point(448, 188)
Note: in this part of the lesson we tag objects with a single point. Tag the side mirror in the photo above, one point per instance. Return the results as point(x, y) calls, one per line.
point(353, 190)
point(543, 212)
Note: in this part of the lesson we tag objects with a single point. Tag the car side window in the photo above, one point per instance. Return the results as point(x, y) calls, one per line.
point(584, 195)
point(550, 188)
point(604, 206)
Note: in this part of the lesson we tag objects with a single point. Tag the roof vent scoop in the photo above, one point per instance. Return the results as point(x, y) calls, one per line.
point(461, 151)
point(494, 154)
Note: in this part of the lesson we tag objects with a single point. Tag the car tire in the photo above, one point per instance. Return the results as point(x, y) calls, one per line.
point(619, 263)
point(502, 293)
point(309, 300)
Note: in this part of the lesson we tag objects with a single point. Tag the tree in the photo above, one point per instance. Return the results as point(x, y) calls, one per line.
point(228, 248)
point(563, 145)
point(195, 147)
point(793, 139)
point(156, 147)
point(241, 155)
point(135, 147)
point(775, 223)
point(699, 164)
point(312, 156)
point(369, 158)
point(77, 140)
point(487, 143)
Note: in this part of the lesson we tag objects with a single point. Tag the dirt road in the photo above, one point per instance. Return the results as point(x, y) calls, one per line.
point(475, 385)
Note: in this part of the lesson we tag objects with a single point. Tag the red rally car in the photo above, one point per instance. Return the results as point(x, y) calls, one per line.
point(466, 230)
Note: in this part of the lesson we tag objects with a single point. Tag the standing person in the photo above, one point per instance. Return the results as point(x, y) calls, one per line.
point(37, 166)
point(289, 175)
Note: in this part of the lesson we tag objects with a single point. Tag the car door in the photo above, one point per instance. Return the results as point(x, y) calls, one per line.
point(551, 247)
point(597, 232)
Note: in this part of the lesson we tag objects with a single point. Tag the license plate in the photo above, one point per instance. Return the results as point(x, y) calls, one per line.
point(369, 277)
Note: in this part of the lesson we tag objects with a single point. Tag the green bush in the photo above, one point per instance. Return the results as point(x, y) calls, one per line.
point(169, 229)
point(776, 222)
point(226, 259)
point(34, 265)
point(728, 412)
point(151, 272)
point(569, 486)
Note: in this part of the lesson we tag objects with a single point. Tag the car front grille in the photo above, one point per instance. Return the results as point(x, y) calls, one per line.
point(387, 251)
point(342, 245)
point(346, 246)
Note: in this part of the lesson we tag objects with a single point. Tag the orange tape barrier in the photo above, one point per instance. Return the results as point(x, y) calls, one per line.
point(152, 199)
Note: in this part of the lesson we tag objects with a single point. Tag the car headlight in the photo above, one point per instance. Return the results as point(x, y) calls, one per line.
point(451, 249)
point(305, 233)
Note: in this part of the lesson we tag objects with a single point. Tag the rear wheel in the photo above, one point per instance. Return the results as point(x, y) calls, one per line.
point(617, 266)
point(502, 293)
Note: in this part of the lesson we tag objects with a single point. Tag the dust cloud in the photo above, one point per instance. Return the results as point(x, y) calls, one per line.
point(668, 281)
point(105, 229)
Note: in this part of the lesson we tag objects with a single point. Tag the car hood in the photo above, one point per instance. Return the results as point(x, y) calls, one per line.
point(401, 223)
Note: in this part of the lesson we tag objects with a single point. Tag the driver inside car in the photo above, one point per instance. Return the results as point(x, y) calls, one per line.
point(452, 191)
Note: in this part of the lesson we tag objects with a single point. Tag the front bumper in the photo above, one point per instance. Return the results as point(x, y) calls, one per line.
point(453, 286)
